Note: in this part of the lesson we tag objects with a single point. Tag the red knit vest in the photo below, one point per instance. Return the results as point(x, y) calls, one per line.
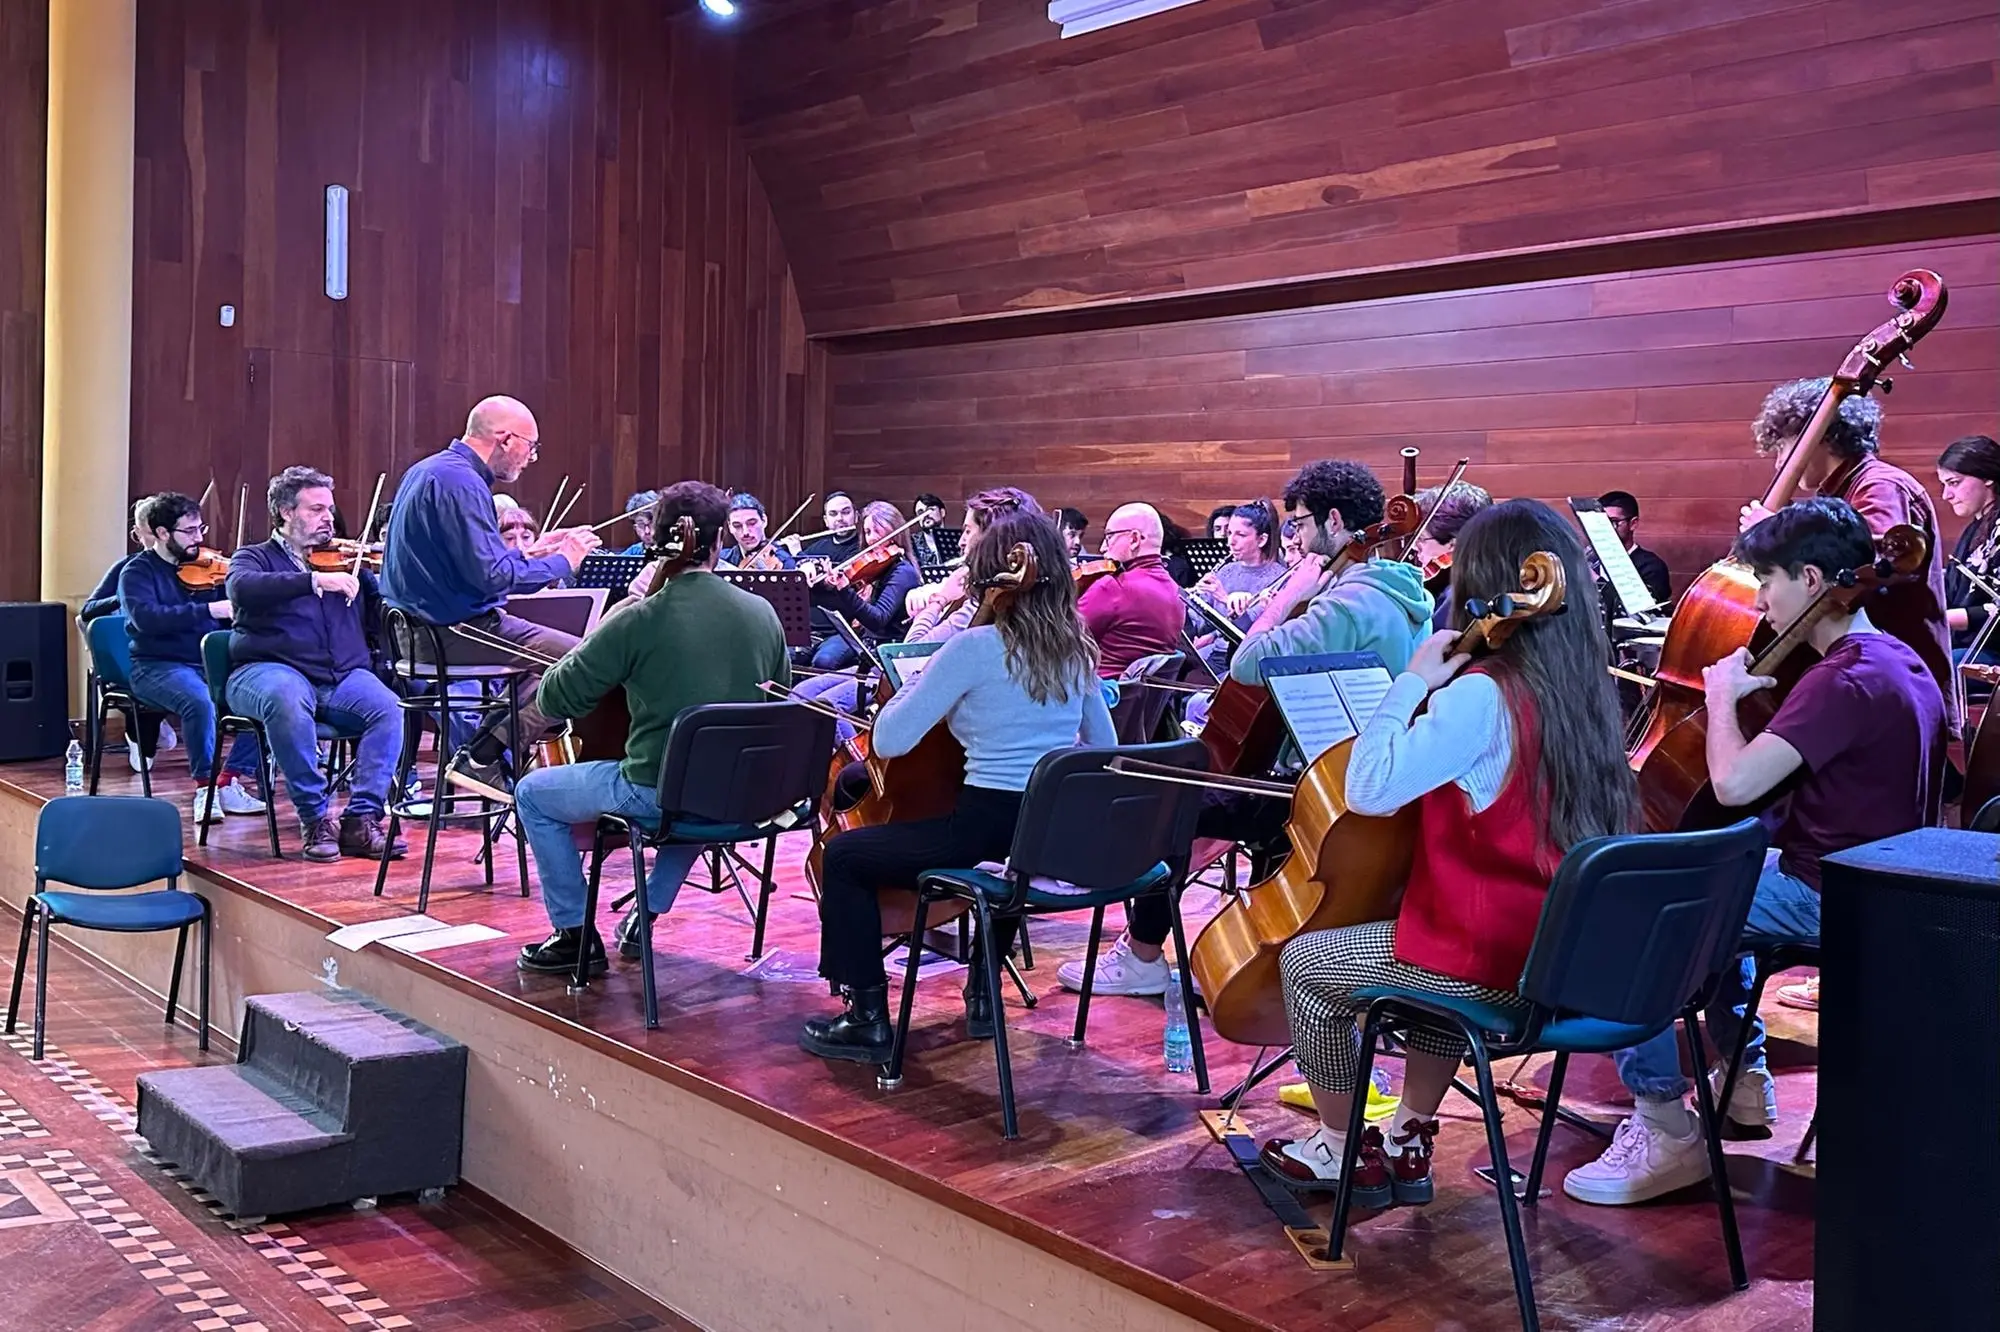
point(1478, 880)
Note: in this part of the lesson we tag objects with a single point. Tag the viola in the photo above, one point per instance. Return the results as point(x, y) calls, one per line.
point(1718, 613)
point(1345, 868)
point(1243, 730)
point(203, 571)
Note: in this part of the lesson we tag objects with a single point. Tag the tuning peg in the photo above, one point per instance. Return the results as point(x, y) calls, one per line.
point(1908, 364)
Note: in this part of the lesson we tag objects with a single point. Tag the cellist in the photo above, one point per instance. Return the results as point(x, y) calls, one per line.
point(1010, 691)
point(1850, 468)
point(1863, 735)
point(1512, 761)
point(1372, 605)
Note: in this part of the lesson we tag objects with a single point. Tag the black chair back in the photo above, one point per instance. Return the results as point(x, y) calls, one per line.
point(1634, 927)
point(1987, 820)
point(1097, 829)
point(744, 763)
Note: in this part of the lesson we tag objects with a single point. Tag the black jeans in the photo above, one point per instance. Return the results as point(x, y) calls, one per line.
point(864, 861)
point(1230, 816)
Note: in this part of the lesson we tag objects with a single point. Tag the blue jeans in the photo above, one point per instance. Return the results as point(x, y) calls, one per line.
point(291, 706)
point(551, 801)
point(836, 691)
point(1784, 908)
point(179, 688)
point(833, 654)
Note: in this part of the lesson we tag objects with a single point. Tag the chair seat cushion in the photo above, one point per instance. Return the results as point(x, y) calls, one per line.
point(165, 909)
point(989, 879)
point(1509, 1022)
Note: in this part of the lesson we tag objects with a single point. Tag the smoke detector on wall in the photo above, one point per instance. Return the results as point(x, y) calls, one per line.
point(1080, 16)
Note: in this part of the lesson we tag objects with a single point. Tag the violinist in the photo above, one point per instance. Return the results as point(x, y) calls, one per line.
point(1511, 760)
point(1850, 468)
point(300, 648)
point(1253, 569)
point(166, 620)
point(747, 528)
point(696, 640)
point(1373, 605)
point(1137, 611)
point(151, 732)
point(1071, 523)
point(1446, 509)
point(1859, 744)
point(1010, 691)
point(840, 542)
point(446, 564)
point(1969, 472)
point(640, 506)
point(874, 604)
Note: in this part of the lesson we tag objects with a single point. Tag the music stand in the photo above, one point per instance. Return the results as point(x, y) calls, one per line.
point(788, 594)
point(1206, 554)
point(934, 573)
point(949, 541)
point(1613, 559)
point(614, 573)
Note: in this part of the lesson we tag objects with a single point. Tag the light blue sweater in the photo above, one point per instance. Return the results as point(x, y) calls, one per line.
point(1005, 733)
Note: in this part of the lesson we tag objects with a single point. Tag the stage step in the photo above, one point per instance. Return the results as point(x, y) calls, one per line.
point(333, 1098)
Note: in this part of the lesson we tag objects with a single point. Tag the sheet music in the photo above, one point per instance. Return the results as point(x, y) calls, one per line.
point(1326, 700)
point(1614, 559)
point(1363, 690)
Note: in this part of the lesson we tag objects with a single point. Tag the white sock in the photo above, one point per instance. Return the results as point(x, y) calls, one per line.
point(1399, 1123)
point(1672, 1118)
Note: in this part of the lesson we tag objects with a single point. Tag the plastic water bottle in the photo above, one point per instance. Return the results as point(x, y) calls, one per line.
point(73, 769)
point(1179, 1048)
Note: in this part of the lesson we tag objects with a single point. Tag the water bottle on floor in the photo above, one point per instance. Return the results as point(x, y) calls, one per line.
point(73, 769)
point(1179, 1048)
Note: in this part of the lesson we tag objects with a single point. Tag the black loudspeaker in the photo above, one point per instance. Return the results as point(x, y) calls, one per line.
point(34, 680)
point(1909, 1085)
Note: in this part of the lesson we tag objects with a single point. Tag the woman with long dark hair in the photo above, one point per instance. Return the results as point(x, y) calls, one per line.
point(1233, 588)
point(1011, 691)
point(1969, 472)
point(1514, 760)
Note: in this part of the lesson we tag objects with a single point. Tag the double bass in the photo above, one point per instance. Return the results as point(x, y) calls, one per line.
point(1345, 868)
point(1243, 729)
point(1718, 612)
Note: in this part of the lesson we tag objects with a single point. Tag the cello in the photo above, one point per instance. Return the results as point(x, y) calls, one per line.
point(1718, 612)
point(1243, 729)
point(1345, 868)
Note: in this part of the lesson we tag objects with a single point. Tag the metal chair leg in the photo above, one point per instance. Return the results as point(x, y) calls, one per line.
point(208, 813)
point(96, 738)
point(41, 980)
point(1010, 1125)
point(174, 983)
point(1718, 1165)
point(1343, 1193)
point(1258, 1073)
point(1510, 1212)
point(892, 1077)
point(580, 978)
point(765, 887)
point(1089, 975)
point(644, 909)
point(1759, 975)
point(1026, 944)
point(1187, 994)
point(270, 787)
point(28, 911)
point(1533, 1196)
point(406, 763)
point(207, 967)
point(1798, 1157)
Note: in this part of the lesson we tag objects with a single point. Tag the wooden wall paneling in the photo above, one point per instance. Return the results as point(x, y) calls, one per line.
point(24, 101)
point(547, 198)
point(931, 162)
point(1645, 381)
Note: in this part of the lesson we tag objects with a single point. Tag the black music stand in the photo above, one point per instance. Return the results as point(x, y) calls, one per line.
point(1206, 554)
point(788, 594)
point(949, 540)
point(614, 573)
point(934, 573)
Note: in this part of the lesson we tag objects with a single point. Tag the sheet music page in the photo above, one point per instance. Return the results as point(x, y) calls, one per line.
point(1616, 562)
point(1362, 690)
point(1313, 710)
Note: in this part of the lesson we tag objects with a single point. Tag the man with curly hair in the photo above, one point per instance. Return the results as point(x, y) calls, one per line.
point(1849, 468)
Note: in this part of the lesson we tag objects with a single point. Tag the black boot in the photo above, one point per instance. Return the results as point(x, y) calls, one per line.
point(556, 955)
point(861, 1035)
point(978, 1009)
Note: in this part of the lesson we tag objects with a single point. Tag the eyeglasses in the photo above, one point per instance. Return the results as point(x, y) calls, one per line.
point(196, 532)
point(534, 445)
point(1120, 531)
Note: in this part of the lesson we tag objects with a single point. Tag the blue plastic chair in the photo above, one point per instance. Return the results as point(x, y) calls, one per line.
point(98, 844)
point(110, 648)
point(1634, 933)
point(1087, 837)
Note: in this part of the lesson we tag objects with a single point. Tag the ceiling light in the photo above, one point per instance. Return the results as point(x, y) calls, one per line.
point(720, 8)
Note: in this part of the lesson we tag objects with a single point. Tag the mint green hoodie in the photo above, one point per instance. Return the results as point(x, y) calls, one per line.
point(1375, 606)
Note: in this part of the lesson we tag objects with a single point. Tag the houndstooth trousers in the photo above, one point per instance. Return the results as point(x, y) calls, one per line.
point(1322, 971)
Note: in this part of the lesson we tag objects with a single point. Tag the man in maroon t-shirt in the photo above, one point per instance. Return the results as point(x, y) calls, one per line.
point(1136, 612)
point(1862, 739)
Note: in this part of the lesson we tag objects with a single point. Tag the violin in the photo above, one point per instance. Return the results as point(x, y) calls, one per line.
point(342, 555)
point(203, 571)
point(1090, 572)
point(1674, 791)
point(1718, 613)
point(924, 783)
point(1243, 730)
point(870, 564)
point(1437, 573)
point(1345, 868)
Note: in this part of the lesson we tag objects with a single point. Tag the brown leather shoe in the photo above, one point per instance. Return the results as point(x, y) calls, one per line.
point(1304, 1166)
point(322, 838)
point(362, 835)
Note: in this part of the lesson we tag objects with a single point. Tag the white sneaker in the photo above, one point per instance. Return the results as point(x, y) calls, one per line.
point(1754, 1102)
point(235, 798)
point(132, 756)
point(1118, 972)
point(168, 740)
point(202, 813)
point(1641, 1163)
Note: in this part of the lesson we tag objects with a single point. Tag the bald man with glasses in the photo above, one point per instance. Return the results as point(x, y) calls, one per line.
point(1136, 612)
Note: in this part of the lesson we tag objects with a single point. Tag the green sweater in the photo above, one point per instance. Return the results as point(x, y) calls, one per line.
point(698, 640)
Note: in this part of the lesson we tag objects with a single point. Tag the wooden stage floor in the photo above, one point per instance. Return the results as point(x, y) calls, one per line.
point(1113, 1172)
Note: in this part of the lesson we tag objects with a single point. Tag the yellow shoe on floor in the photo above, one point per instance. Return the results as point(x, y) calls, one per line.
point(1380, 1104)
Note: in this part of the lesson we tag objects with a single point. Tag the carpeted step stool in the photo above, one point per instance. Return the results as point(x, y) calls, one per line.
point(333, 1098)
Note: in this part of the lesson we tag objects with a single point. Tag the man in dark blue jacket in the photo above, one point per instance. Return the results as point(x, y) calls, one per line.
point(445, 564)
point(166, 620)
point(151, 732)
point(300, 647)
